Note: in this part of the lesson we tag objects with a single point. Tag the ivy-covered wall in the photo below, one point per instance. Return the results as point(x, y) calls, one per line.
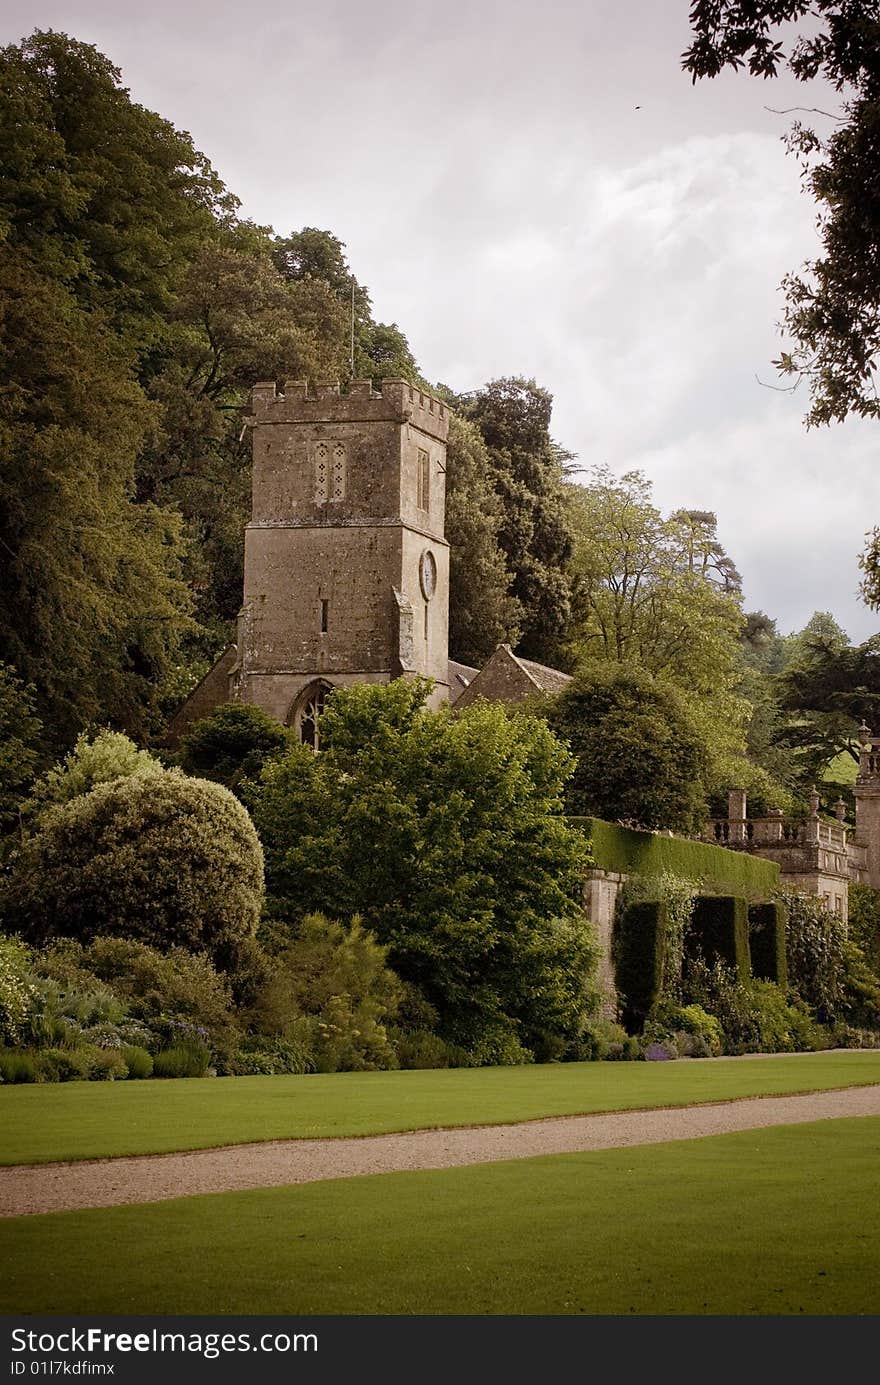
point(627, 852)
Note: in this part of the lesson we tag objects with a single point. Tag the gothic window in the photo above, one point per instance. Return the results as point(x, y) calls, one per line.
point(329, 464)
point(338, 486)
point(424, 480)
point(307, 716)
point(322, 472)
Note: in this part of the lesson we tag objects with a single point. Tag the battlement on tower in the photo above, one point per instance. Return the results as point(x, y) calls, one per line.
point(326, 401)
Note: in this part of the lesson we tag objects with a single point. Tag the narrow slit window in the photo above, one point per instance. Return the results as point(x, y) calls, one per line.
point(426, 622)
point(424, 480)
point(325, 613)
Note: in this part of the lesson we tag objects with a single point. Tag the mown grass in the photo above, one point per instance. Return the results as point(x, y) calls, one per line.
point(86, 1120)
point(776, 1221)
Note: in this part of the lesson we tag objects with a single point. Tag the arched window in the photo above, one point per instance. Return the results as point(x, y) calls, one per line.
point(305, 717)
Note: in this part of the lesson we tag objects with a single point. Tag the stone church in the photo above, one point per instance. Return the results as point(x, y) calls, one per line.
point(346, 567)
point(346, 580)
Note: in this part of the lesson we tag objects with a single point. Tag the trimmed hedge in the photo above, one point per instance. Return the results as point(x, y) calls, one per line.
point(640, 948)
point(767, 925)
point(629, 852)
point(720, 929)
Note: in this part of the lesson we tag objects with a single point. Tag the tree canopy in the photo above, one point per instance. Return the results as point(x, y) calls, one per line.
point(832, 311)
point(641, 758)
point(446, 835)
point(482, 611)
point(527, 470)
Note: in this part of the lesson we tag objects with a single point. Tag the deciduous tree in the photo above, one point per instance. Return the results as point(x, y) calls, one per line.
point(446, 834)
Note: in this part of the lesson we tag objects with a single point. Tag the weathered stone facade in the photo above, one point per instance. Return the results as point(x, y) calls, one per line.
point(814, 856)
point(346, 573)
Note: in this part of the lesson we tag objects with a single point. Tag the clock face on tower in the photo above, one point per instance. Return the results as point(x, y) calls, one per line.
point(428, 574)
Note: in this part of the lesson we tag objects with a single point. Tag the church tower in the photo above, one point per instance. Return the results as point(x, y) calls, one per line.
point(346, 570)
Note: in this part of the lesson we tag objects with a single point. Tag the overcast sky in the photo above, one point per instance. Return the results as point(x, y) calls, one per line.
point(537, 189)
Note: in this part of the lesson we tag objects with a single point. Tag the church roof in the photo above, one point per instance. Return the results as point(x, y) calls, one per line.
point(505, 677)
point(459, 676)
point(550, 680)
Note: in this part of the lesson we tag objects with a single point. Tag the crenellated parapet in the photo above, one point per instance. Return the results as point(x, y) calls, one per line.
point(328, 401)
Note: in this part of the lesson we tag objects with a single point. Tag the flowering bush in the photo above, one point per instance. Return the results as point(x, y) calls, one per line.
point(17, 993)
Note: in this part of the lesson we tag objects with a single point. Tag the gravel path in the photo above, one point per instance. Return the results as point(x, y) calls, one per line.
point(153, 1178)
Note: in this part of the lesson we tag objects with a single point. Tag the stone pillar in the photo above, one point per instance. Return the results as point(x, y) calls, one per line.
point(867, 794)
point(600, 897)
point(736, 814)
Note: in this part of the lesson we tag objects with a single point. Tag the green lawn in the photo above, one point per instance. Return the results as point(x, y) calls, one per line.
point(84, 1120)
point(776, 1221)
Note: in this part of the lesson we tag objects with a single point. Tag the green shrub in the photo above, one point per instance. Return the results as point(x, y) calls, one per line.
point(492, 1043)
point(166, 860)
point(63, 1064)
point(137, 1060)
point(420, 1048)
point(181, 1060)
point(616, 848)
point(861, 988)
point(95, 759)
point(161, 988)
point(639, 952)
point(331, 991)
point(851, 1036)
point(815, 942)
point(18, 1067)
point(756, 1016)
point(767, 927)
point(691, 1029)
point(720, 932)
point(233, 743)
point(105, 1064)
point(677, 895)
point(864, 923)
point(603, 1040)
point(17, 992)
point(261, 1055)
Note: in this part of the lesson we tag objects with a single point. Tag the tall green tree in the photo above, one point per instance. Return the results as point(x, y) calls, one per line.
point(832, 308)
point(661, 594)
point(832, 305)
point(92, 607)
point(99, 193)
point(642, 759)
point(380, 348)
point(446, 833)
point(528, 472)
point(235, 320)
point(827, 692)
point(21, 742)
point(482, 612)
point(647, 587)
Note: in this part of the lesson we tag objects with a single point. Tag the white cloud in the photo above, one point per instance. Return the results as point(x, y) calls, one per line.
point(541, 191)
